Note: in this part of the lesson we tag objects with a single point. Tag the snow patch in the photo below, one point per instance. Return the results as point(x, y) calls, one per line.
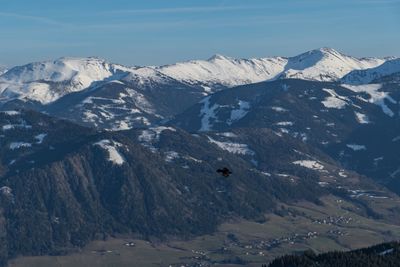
point(377, 97)
point(40, 138)
point(116, 81)
point(113, 155)
point(11, 112)
point(397, 138)
point(235, 148)
point(362, 118)
point(153, 134)
point(22, 125)
point(140, 101)
point(5, 190)
point(17, 145)
point(228, 134)
point(207, 89)
point(284, 123)
point(120, 126)
point(310, 164)
point(237, 114)
point(388, 251)
point(207, 113)
point(356, 147)
point(323, 184)
point(334, 100)
point(193, 159)
point(279, 109)
point(171, 155)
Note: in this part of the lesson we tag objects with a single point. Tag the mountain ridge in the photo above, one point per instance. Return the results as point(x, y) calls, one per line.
point(267, 68)
point(42, 81)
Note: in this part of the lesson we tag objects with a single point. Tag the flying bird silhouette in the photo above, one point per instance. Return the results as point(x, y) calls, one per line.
point(224, 172)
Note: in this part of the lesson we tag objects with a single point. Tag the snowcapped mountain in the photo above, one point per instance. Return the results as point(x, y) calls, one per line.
point(324, 64)
point(111, 96)
point(226, 71)
point(96, 93)
point(369, 75)
point(47, 81)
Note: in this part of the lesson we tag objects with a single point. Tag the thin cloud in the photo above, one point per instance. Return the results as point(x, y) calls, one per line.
point(32, 18)
point(381, 2)
point(361, 2)
point(242, 21)
point(197, 9)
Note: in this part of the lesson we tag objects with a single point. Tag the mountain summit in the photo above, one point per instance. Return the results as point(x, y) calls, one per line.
point(326, 64)
point(47, 81)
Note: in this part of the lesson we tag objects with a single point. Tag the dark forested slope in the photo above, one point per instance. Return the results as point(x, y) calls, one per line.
point(383, 255)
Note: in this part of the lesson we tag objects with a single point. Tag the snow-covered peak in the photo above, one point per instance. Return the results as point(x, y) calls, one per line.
point(81, 70)
point(367, 76)
point(225, 70)
point(146, 76)
point(219, 57)
point(315, 57)
point(323, 64)
point(47, 81)
point(326, 64)
point(328, 50)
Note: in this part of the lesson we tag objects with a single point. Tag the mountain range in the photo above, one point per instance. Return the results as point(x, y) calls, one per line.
point(77, 74)
point(111, 96)
point(91, 149)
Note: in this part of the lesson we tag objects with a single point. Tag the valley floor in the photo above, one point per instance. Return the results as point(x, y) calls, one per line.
point(335, 225)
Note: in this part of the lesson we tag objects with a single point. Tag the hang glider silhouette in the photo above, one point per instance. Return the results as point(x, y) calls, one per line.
point(224, 172)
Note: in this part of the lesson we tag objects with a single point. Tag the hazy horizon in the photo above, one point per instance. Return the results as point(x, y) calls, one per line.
point(159, 33)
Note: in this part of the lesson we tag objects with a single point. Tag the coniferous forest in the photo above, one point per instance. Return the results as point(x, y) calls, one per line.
point(383, 255)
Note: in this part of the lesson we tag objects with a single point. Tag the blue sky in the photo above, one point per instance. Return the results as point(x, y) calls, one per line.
point(155, 32)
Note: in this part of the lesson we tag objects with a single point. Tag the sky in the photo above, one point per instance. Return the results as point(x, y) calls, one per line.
point(158, 32)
